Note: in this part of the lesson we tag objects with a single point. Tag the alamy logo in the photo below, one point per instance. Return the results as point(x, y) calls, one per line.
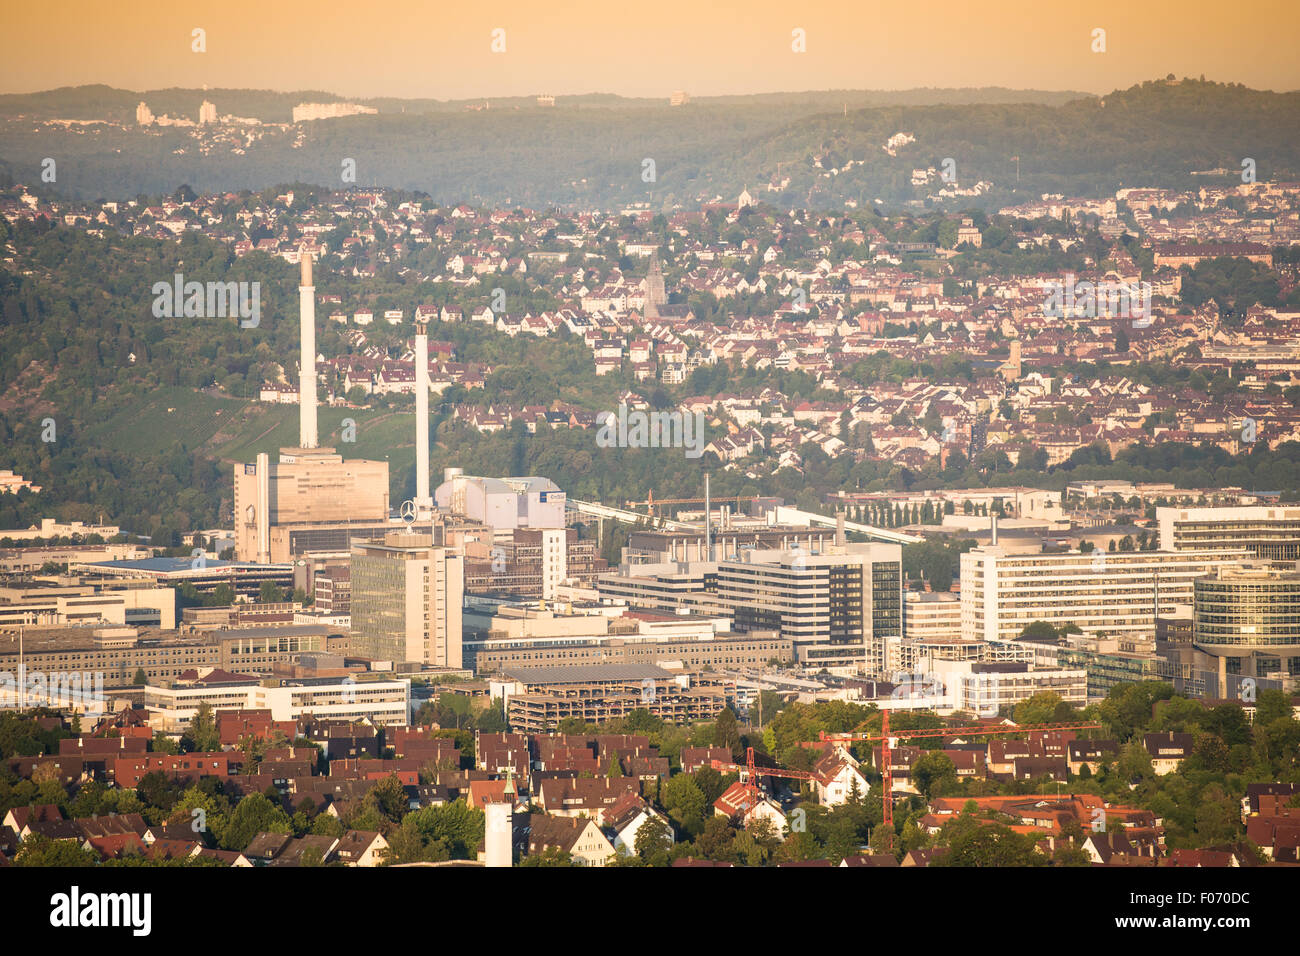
point(75, 909)
point(208, 300)
point(628, 429)
point(73, 690)
point(1090, 299)
point(919, 686)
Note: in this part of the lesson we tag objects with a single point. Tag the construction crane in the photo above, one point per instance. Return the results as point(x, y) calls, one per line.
point(889, 741)
point(751, 773)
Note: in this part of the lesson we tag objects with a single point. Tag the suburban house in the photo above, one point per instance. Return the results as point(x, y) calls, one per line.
point(579, 837)
point(744, 803)
point(626, 817)
point(837, 778)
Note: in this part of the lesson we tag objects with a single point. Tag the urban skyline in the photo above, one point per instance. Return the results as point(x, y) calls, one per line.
point(424, 467)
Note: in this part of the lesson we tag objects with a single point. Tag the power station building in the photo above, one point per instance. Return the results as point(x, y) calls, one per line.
point(311, 499)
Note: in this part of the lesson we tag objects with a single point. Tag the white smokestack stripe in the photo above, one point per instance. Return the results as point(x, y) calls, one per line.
point(307, 358)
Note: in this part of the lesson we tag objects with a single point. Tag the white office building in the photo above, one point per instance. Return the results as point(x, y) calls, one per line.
point(1116, 593)
point(386, 702)
point(932, 615)
point(1270, 533)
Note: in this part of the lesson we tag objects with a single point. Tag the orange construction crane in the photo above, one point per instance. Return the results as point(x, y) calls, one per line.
point(751, 773)
point(889, 741)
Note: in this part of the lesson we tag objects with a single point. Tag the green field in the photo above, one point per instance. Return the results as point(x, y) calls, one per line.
point(236, 430)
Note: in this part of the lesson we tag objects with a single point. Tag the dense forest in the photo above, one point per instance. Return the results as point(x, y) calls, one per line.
point(829, 146)
point(100, 102)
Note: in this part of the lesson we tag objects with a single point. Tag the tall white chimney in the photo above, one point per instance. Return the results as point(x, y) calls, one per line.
point(307, 357)
point(498, 837)
point(423, 500)
point(708, 521)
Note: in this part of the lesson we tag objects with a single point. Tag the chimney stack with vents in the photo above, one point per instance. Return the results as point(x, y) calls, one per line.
point(307, 357)
point(423, 500)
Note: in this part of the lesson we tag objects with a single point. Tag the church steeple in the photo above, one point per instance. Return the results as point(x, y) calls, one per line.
point(654, 287)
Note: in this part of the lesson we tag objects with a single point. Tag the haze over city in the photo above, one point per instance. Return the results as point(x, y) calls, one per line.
point(486, 438)
point(444, 51)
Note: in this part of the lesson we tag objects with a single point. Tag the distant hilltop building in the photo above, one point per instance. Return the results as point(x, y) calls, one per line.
point(319, 111)
point(546, 100)
point(11, 483)
point(144, 115)
point(679, 98)
point(897, 142)
point(968, 232)
point(207, 113)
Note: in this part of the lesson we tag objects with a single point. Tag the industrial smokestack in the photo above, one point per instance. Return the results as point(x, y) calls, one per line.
point(423, 501)
point(708, 521)
point(994, 530)
point(498, 833)
point(307, 357)
point(840, 538)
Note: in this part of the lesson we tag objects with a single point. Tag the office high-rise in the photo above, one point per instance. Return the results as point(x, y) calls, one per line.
point(407, 597)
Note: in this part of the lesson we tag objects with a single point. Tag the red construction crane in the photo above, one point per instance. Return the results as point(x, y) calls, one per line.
point(887, 741)
point(752, 773)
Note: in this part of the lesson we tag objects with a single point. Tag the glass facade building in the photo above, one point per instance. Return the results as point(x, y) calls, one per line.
point(1251, 615)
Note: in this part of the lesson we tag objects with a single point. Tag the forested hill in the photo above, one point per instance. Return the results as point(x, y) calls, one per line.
point(99, 102)
point(815, 150)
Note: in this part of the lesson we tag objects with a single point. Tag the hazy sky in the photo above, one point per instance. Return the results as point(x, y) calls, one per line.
point(634, 48)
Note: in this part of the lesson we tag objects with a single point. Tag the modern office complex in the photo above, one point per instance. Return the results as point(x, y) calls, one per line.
point(244, 579)
point(407, 596)
point(932, 615)
point(667, 586)
point(113, 655)
point(1116, 593)
point(526, 635)
point(1269, 533)
point(385, 702)
point(1249, 619)
point(74, 601)
point(836, 606)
